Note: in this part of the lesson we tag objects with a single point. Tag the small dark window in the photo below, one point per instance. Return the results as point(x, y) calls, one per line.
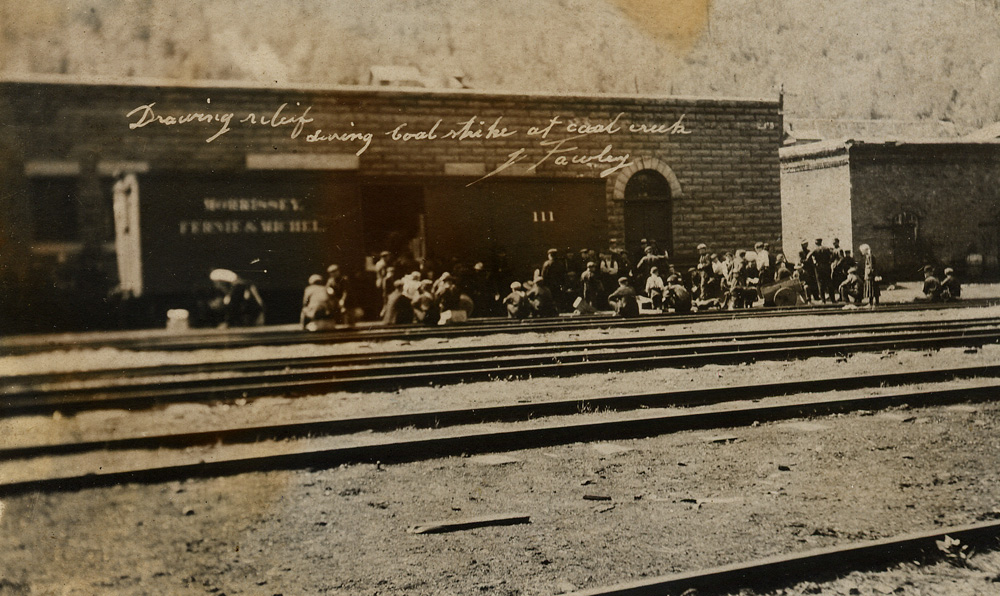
point(55, 210)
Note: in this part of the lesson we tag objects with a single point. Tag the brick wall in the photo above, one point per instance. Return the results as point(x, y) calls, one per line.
point(727, 166)
point(952, 189)
point(816, 201)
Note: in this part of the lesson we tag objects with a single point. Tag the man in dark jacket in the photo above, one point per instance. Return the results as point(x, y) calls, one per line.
point(951, 288)
point(623, 300)
point(398, 309)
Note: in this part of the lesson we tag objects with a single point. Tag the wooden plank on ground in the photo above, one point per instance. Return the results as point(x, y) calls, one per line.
point(454, 525)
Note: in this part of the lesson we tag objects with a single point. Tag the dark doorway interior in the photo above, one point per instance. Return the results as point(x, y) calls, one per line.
point(648, 212)
point(906, 254)
point(392, 216)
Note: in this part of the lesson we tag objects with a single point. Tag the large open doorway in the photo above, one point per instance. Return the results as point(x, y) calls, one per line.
point(393, 219)
point(648, 212)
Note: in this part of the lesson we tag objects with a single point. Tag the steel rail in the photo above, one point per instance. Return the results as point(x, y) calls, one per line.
point(502, 413)
point(817, 564)
point(15, 383)
point(391, 378)
point(248, 337)
point(400, 451)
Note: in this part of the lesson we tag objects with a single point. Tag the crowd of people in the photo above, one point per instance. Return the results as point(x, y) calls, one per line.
point(588, 281)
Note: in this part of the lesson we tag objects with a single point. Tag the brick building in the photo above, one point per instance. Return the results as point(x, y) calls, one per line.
point(276, 183)
point(915, 203)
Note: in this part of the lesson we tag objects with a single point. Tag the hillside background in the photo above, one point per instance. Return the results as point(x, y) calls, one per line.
point(898, 59)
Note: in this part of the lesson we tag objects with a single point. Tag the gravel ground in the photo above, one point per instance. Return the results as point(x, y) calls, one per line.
point(677, 502)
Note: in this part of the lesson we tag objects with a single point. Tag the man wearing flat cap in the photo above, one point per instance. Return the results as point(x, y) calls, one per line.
point(932, 286)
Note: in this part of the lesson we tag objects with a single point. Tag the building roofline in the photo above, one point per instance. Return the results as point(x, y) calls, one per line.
point(838, 146)
point(105, 81)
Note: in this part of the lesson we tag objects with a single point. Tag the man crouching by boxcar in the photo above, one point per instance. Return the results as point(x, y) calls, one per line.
point(676, 297)
point(951, 288)
point(316, 304)
point(623, 300)
point(237, 301)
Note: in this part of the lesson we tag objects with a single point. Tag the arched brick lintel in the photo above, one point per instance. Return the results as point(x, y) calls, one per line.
point(647, 163)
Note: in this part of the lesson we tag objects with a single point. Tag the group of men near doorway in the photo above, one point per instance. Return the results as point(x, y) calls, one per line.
point(589, 281)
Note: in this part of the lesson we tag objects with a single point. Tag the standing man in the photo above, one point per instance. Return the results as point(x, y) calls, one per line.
point(336, 288)
point(870, 277)
point(821, 258)
point(593, 286)
point(554, 273)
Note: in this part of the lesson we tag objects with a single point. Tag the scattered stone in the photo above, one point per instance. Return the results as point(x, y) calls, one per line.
point(586, 483)
point(784, 468)
point(605, 509)
point(721, 439)
point(188, 511)
point(493, 459)
point(964, 408)
point(596, 498)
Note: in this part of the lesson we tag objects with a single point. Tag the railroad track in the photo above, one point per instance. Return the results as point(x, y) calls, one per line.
point(471, 364)
point(282, 456)
point(270, 365)
point(236, 338)
point(818, 564)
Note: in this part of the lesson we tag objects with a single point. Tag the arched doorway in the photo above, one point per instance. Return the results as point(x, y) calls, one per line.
point(648, 211)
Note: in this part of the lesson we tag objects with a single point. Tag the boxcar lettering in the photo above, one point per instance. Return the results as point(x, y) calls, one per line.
point(213, 204)
point(272, 226)
point(210, 226)
point(305, 226)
